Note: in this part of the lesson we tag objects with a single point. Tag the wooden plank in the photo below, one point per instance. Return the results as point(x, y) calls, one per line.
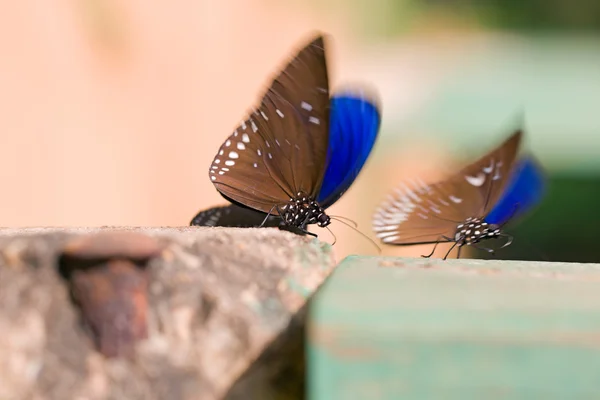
point(391, 328)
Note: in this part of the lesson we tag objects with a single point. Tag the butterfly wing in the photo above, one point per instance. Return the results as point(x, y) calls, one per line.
point(419, 213)
point(526, 189)
point(233, 216)
point(281, 149)
point(354, 124)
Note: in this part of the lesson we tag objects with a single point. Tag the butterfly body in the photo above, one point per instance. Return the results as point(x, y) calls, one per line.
point(302, 211)
point(475, 230)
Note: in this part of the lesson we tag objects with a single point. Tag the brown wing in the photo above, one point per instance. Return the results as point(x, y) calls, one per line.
point(281, 148)
point(420, 213)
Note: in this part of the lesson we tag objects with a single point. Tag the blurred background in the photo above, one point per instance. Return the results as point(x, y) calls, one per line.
point(111, 111)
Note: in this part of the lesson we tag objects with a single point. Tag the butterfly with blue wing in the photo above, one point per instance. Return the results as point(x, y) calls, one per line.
point(471, 206)
point(354, 125)
point(295, 156)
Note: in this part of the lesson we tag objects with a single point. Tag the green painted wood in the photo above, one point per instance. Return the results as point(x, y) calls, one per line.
point(390, 328)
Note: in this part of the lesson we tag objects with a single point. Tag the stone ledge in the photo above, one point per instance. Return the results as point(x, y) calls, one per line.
point(220, 303)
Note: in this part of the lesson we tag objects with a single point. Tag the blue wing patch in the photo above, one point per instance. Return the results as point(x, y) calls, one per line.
point(525, 189)
point(354, 125)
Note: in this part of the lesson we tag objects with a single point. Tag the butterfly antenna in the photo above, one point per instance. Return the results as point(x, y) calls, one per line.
point(508, 242)
point(338, 217)
point(334, 237)
point(362, 234)
point(542, 255)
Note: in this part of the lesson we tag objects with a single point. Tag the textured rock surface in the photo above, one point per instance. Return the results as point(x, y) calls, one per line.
point(225, 318)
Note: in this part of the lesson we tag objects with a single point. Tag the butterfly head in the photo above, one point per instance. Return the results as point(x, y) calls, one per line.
point(474, 230)
point(302, 210)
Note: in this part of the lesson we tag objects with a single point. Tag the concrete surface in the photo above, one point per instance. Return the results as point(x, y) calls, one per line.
point(221, 302)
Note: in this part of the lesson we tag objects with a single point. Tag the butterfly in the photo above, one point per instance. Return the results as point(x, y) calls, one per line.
point(297, 153)
point(469, 207)
point(354, 124)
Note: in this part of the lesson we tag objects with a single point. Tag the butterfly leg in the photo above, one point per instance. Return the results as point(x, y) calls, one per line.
point(302, 228)
point(298, 230)
point(451, 248)
point(269, 214)
point(309, 233)
point(435, 246)
point(432, 251)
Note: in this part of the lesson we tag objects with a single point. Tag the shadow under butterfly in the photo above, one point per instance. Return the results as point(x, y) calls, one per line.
point(297, 153)
point(469, 207)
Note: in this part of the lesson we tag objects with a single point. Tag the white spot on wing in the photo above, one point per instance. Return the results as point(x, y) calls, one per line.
point(255, 165)
point(489, 169)
point(244, 125)
point(245, 138)
point(217, 161)
point(455, 199)
point(264, 116)
point(254, 127)
point(214, 178)
point(233, 154)
point(259, 152)
point(314, 120)
point(229, 163)
point(279, 113)
point(241, 146)
point(476, 180)
point(306, 106)
point(228, 143)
